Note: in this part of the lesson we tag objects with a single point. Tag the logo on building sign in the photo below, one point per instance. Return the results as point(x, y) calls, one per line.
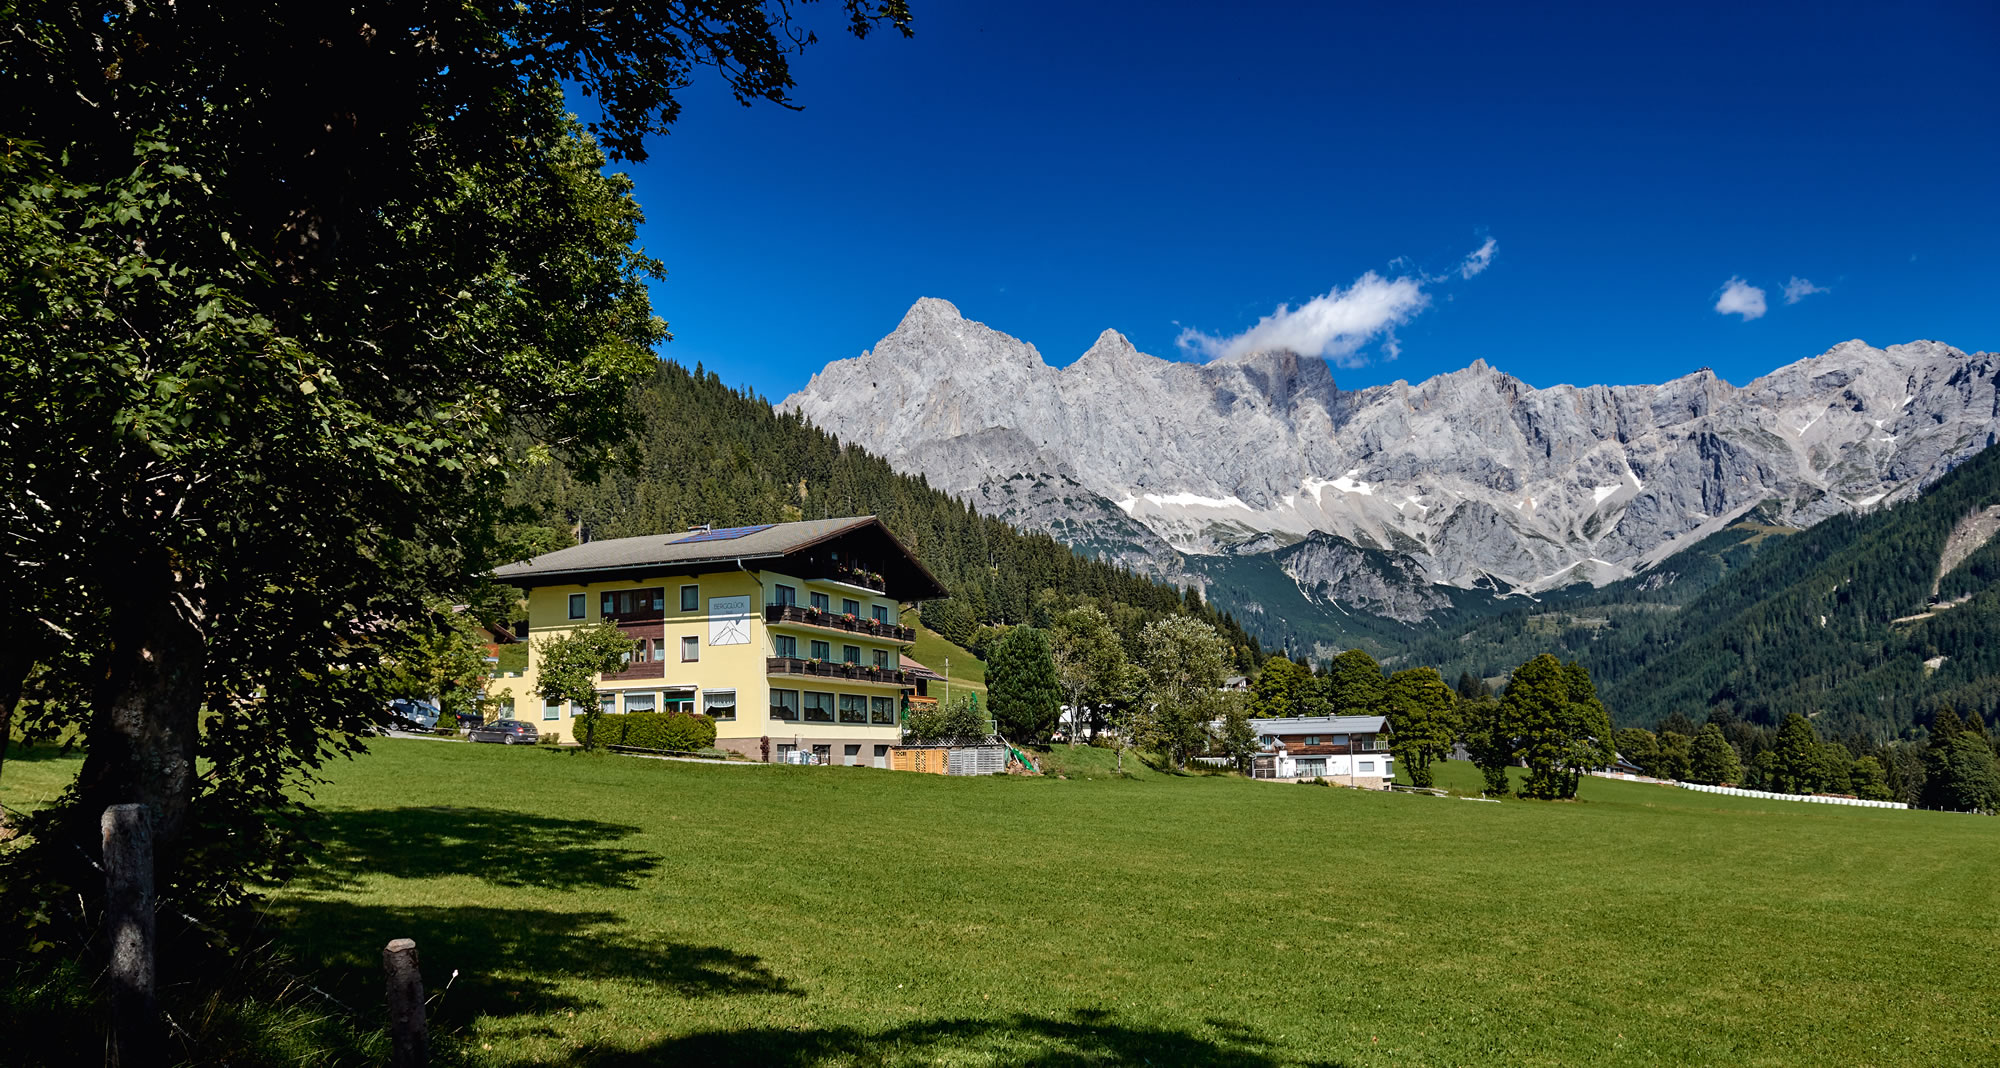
point(729, 621)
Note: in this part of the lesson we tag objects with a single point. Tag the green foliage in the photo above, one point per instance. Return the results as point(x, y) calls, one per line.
point(1237, 740)
point(1284, 688)
point(1962, 774)
point(1489, 740)
point(1355, 685)
point(1797, 766)
point(958, 718)
point(1183, 661)
point(568, 667)
point(1090, 664)
point(1423, 721)
point(1675, 757)
point(951, 621)
point(685, 732)
point(442, 657)
point(1713, 760)
point(1641, 747)
point(1021, 690)
point(1560, 728)
point(1871, 782)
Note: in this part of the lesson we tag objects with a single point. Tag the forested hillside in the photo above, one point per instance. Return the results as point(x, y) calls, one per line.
point(703, 452)
point(1835, 622)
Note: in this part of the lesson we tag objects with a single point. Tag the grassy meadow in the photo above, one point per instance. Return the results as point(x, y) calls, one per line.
point(613, 911)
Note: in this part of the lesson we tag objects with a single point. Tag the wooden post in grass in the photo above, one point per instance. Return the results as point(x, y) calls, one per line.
point(128, 931)
point(409, 1045)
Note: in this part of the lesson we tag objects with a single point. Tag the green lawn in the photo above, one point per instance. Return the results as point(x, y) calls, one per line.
point(932, 651)
point(612, 911)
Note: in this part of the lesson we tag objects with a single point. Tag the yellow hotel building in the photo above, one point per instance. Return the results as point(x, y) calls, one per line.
point(788, 635)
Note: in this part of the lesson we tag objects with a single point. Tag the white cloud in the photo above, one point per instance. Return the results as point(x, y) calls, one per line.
point(1799, 289)
point(1481, 258)
point(1335, 325)
point(1741, 298)
point(1338, 324)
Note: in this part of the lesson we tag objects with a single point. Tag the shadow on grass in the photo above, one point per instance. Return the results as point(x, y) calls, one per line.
point(510, 961)
point(504, 848)
point(1084, 1037)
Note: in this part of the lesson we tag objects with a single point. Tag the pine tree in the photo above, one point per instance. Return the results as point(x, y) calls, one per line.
point(1021, 688)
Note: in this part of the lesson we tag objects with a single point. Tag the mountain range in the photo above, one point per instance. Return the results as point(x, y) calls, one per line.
point(1261, 476)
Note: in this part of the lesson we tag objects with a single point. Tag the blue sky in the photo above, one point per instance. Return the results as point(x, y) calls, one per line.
point(1179, 172)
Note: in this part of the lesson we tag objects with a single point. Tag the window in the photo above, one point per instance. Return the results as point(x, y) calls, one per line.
point(658, 646)
point(1311, 769)
point(882, 710)
point(1312, 739)
point(822, 754)
point(577, 607)
point(853, 708)
point(607, 703)
point(819, 707)
point(785, 751)
point(690, 649)
point(882, 613)
point(787, 595)
point(1338, 739)
point(785, 705)
point(882, 658)
point(821, 602)
point(639, 702)
point(1367, 766)
point(551, 709)
point(822, 651)
point(851, 755)
point(850, 606)
point(850, 654)
point(719, 704)
point(788, 646)
point(506, 710)
point(648, 603)
point(690, 598)
point(679, 699)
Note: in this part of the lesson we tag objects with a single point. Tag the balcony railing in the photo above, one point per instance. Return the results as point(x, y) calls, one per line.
point(835, 669)
point(862, 625)
point(856, 576)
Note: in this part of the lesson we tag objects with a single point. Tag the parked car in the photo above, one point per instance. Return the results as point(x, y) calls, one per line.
point(468, 720)
point(406, 714)
point(506, 732)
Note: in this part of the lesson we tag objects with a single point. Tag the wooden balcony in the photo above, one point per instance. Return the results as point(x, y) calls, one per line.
point(837, 670)
point(855, 576)
point(863, 626)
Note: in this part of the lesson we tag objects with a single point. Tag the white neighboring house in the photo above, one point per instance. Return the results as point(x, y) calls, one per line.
point(1350, 750)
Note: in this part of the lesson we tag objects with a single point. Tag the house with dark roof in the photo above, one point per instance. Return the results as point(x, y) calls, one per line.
point(788, 635)
point(1351, 750)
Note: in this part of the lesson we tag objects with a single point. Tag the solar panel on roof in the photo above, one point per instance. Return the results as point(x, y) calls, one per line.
point(725, 534)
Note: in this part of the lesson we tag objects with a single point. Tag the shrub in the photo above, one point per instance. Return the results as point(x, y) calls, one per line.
point(657, 730)
point(549, 738)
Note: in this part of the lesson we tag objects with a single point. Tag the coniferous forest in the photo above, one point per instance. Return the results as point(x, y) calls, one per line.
point(704, 452)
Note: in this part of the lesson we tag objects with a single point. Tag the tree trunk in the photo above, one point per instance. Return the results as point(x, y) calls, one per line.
point(145, 715)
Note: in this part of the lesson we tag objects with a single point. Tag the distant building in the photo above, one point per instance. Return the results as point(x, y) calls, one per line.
point(1352, 750)
point(788, 635)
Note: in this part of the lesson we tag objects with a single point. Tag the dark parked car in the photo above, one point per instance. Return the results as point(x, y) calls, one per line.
point(408, 715)
point(506, 732)
point(468, 720)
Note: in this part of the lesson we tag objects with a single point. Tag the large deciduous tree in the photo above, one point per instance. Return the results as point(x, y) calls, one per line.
point(1560, 727)
point(1184, 661)
point(1714, 760)
point(567, 668)
point(1355, 685)
point(1422, 722)
point(278, 284)
point(1089, 663)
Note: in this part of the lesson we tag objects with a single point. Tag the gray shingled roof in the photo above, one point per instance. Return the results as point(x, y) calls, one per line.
point(1321, 725)
point(650, 549)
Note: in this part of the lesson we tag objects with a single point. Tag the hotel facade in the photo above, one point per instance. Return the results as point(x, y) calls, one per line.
point(788, 635)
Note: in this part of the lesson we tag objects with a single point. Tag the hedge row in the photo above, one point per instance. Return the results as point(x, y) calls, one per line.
point(655, 730)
